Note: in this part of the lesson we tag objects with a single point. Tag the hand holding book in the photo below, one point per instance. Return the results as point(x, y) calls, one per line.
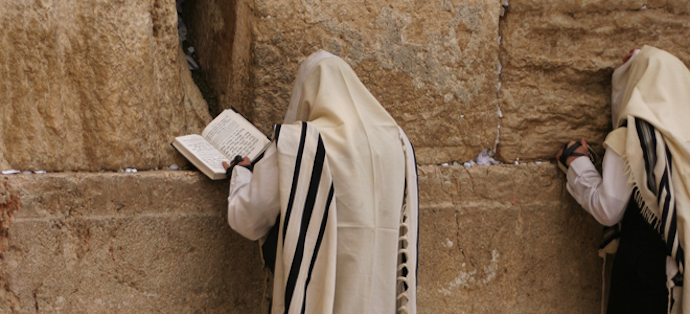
point(238, 161)
point(227, 135)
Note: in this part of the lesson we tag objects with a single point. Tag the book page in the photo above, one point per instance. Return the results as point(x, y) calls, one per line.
point(233, 135)
point(204, 151)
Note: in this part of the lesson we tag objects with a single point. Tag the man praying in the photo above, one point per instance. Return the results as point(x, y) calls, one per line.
point(334, 201)
point(644, 184)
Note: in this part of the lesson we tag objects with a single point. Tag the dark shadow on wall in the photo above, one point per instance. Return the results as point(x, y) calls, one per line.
point(212, 29)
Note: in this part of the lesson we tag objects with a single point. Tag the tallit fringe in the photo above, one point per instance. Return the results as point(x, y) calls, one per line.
point(647, 213)
point(403, 243)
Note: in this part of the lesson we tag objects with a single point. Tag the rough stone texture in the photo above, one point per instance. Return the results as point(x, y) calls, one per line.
point(432, 64)
point(123, 243)
point(159, 241)
point(505, 239)
point(558, 57)
point(91, 85)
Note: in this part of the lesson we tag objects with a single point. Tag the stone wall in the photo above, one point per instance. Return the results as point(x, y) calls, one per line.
point(158, 241)
point(558, 57)
point(149, 242)
point(101, 85)
point(93, 85)
point(460, 76)
point(505, 239)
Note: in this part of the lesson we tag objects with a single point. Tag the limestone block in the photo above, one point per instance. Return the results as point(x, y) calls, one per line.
point(91, 85)
point(159, 241)
point(432, 64)
point(505, 237)
point(558, 57)
point(124, 243)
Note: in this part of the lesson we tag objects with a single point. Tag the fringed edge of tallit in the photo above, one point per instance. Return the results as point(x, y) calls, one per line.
point(646, 212)
point(649, 215)
point(408, 240)
point(402, 281)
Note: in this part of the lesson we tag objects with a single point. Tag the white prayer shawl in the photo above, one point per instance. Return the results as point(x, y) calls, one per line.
point(372, 167)
point(304, 275)
point(653, 139)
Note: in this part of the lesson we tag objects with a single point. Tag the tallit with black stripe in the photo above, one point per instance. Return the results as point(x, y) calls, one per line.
point(653, 140)
point(304, 280)
point(373, 169)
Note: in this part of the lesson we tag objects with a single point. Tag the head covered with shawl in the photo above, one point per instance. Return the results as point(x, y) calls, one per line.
point(650, 115)
point(373, 173)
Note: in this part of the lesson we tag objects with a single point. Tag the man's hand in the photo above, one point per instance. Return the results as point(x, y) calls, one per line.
point(244, 162)
point(582, 150)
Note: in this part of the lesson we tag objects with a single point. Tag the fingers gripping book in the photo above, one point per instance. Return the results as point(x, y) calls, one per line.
point(227, 136)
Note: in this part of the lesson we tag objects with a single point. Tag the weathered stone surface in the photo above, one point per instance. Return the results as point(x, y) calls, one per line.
point(159, 241)
point(432, 64)
point(123, 243)
point(505, 239)
point(558, 57)
point(91, 85)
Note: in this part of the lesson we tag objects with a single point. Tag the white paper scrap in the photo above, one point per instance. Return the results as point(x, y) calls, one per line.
point(11, 171)
point(40, 172)
point(174, 167)
point(483, 159)
point(538, 163)
point(131, 170)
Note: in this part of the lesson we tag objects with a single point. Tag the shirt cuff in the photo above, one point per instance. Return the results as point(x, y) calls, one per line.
point(580, 166)
point(241, 176)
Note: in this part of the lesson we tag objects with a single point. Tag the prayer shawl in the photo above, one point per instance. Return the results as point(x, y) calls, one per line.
point(653, 139)
point(349, 202)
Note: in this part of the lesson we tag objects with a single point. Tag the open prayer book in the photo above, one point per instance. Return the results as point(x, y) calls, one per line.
point(227, 136)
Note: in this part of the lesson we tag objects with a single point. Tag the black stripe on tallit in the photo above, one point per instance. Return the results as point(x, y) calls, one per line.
point(322, 230)
point(276, 132)
point(665, 205)
point(680, 255)
point(648, 142)
point(670, 204)
point(295, 178)
point(306, 217)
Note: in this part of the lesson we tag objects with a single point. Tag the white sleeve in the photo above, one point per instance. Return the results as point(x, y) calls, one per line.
point(253, 201)
point(606, 199)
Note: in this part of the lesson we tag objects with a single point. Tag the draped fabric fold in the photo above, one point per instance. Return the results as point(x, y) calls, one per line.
point(304, 280)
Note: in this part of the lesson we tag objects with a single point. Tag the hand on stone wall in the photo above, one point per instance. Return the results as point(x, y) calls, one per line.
point(582, 150)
